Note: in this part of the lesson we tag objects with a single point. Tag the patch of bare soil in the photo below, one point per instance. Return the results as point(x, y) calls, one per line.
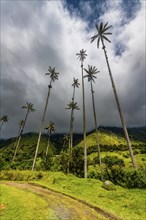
point(65, 207)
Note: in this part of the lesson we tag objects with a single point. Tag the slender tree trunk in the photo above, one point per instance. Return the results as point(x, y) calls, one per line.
point(119, 109)
point(96, 132)
point(17, 137)
point(68, 162)
point(84, 125)
point(1, 125)
point(71, 131)
point(42, 126)
point(48, 145)
point(20, 135)
point(71, 124)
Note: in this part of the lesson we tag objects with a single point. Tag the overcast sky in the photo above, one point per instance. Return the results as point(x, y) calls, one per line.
point(39, 34)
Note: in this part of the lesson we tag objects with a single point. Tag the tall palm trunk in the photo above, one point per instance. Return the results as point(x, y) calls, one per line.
point(20, 135)
point(71, 123)
point(1, 125)
point(42, 126)
point(119, 109)
point(48, 145)
point(17, 137)
point(96, 131)
point(84, 124)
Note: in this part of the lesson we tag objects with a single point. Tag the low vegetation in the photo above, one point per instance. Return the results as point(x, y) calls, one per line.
point(122, 202)
point(17, 204)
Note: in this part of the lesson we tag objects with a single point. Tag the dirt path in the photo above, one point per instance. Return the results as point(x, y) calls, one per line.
point(65, 207)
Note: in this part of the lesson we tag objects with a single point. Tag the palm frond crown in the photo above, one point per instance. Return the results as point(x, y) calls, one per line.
point(51, 127)
point(101, 33)
point(4, 118)
point(91, 71)
point(73, 105)
point(81, 55)
point(75, 83)
point(52, 73)
point(29, 107)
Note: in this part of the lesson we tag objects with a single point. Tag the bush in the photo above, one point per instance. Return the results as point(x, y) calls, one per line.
point(93, 174)
point(17, 175)
point(114, 160)
point(128, 179)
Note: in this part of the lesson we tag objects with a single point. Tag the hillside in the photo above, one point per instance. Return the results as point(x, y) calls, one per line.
point(112, 143)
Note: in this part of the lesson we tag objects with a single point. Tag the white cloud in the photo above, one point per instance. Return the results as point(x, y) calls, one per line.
point(38, 35)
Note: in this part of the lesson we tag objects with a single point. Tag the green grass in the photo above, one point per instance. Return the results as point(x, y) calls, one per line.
point(108, 139)
point(129, 204)
point(21, 205)
point(125, 203)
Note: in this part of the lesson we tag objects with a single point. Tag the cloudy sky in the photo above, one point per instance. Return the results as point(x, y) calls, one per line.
point(37, 34)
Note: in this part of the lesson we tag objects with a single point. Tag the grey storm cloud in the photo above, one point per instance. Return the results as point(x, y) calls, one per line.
point(39, 34)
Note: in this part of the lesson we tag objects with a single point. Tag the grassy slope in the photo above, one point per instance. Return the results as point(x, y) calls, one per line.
point(111, 139)
point(125, 203)
point(106, 138)
point(17, 204)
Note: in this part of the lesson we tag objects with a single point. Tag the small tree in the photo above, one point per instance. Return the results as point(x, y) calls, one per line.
point(50, 129)
point(73, 106)
point(66, 139)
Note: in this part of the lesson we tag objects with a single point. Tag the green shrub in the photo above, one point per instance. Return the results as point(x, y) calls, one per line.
point(93, 174)
point(129, 179)
point(25, 175)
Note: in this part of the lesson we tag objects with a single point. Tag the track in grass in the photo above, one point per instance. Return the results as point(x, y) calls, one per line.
point(64, 207)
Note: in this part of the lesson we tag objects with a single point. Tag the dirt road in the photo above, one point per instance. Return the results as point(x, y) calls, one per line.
point(65, 207)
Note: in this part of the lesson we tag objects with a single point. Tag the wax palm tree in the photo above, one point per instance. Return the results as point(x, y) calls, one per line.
point(3, 119)
point(29, 108)
point(82, 56)
point(53, 77)
point(73, 106)
point(75, 85)
point(66, 138)
point(50, 129)
point(101, 36)
point(91, 75)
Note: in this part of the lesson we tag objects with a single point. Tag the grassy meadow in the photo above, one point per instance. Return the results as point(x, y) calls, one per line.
point(128, 204)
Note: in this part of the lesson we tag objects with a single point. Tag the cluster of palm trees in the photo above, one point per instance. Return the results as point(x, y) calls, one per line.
point(101, 36)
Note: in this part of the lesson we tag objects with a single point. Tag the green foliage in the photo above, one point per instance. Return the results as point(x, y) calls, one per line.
point(17, 175)
point(77, 161)
point(116, 173)
point(114, 160)
point(93, 174)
